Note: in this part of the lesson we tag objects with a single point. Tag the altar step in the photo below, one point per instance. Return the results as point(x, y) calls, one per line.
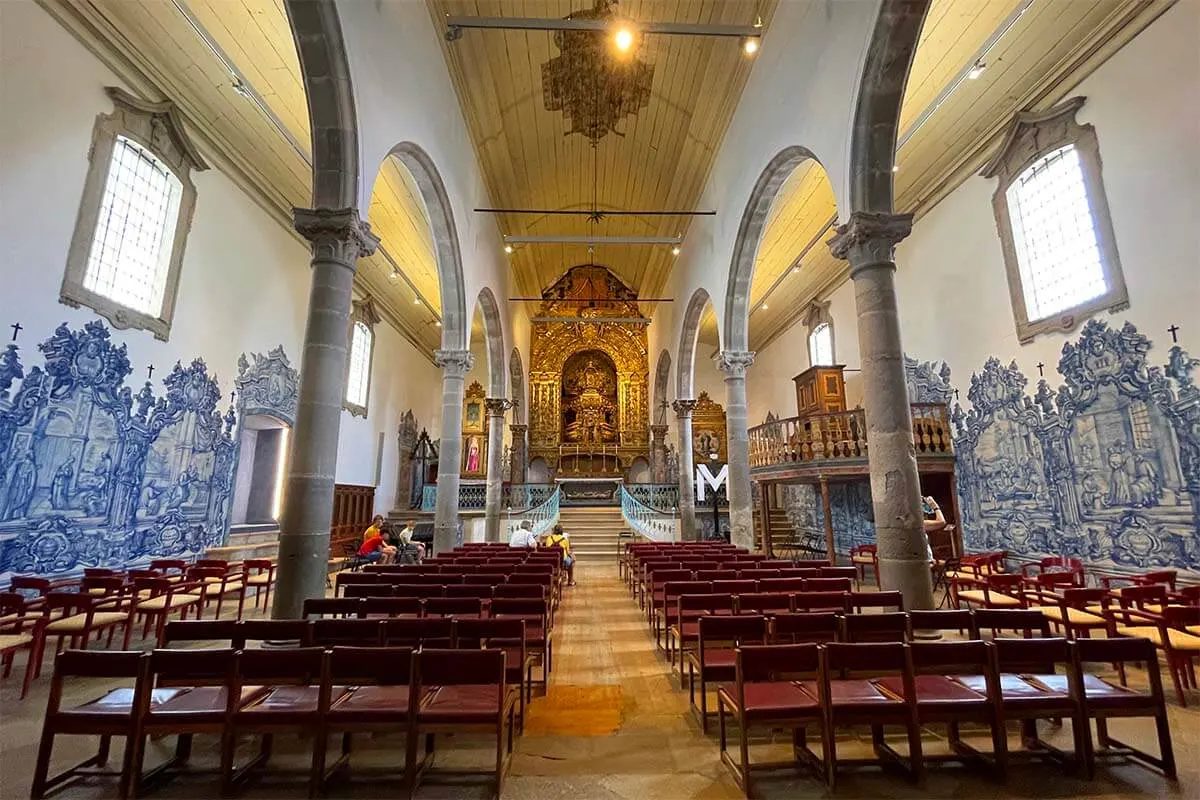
point(594, 531)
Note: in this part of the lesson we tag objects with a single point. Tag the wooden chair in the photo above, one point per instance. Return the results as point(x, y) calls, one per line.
point(20, 631)
point(1171, 632)
point(203, 630)
point(864, 557)
point(1102, 700)
point(887, 627)
point(764, 603)
point(347, 632)
point(116, 713)
point(684, 632)
point(1022, 621)
point(781, 585)
point(713, 661)
point(507, 635)
point(665, 615)
point(453, 607)
point(156, 599)
point(539, 633)
point(75, 616)
point(259, 574)
point(297, 689)
point(822, 601)
point(833, 584)
point(217, 583)
point(391, 607)
point(942, 620)
point(1069, 610)
point(472, 696)
point(380, 702)
point(859, 701)
point(278, 632)
point(887, 601)
point(805, 628)
point(419, 632)
point(766, 693)
point(331, 607)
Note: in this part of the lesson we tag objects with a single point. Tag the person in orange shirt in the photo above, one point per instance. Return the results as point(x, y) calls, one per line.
point(376, 528)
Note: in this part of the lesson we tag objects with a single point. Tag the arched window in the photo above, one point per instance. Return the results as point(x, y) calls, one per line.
point(1052, 216)
point(358, 360)
point(820, 345)
point(134, 217)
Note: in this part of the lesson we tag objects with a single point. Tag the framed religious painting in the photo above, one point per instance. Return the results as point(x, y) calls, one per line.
point(474, 452)
point(708, 430)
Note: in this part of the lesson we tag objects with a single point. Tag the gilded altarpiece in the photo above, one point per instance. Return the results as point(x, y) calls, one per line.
point(589, 401)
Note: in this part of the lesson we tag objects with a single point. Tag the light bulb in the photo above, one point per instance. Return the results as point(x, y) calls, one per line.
point(675, 250)
point(764, 306)
point(750, 45)
point(508, 249)
point(438, 323)
point(393, 276)
point(416, 301)
point(976, 70)
point(623, 39)
point(895, 168)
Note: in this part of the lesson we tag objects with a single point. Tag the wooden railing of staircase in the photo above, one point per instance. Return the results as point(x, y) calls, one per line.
point(353, 508)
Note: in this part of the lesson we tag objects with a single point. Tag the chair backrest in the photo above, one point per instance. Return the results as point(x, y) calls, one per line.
point(478, 591)
point(939, 620)
point(893, 600)
point(742, 629)
point(874, 657)
point(131, 665)
point(204, 630)
point(488, 632)
point(799, 627)
point(757, 574)
point(384, 666)
point(849, 573)
point(1081, 598)
point(662, 576)
point(276, 630)
point(762, 602)
point(459, 667)
point(331, 607)
point(303, 666)
point(1165, 577)
point(829, 584)
point(1122, 650)
point(1005, 583)
point(360, 591)
point(201, 666)
point(821, 601)
point(799, 572)
point(811, 563)
point(716, 575)
point(673, 589)
point(349, 632)
point(421, 590)
point(1142, 595)
point(529, 591)
point(391, 607)
point(168, 564)
point(691, 606)
point(1030, 655)
point(776, 662)
point(968, 657)
point(415, 632)
point(734, 587)
point(887, 627)
point(781, 585)
point(451, 606)
point(1025, 621)
point(29, 586)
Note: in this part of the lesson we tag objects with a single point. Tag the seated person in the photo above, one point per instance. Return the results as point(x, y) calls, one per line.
point(376, 528)
point(376, 550)
point(556, 538)
point(523, 536)
point(405, 537)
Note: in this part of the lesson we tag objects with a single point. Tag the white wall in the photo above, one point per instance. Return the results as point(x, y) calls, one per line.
point(244, 282)
point(953, 294)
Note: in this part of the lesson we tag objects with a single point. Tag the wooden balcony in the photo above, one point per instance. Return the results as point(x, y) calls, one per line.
point(834, 444)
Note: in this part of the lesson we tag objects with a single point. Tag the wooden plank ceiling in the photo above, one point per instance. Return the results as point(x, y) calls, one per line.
point(1044, 43)
point(657, 159)
point(168, 38)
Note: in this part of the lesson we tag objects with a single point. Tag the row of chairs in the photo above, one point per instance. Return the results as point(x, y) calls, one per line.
point(309, 691)
point(823, 579)
point(800, 687)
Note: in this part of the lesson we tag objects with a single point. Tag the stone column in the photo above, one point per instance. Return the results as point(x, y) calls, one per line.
point(496, 406)
point(658, 453)
point(455, 365)
point(687, 485)
point(519, 471)
point(339, 238)
point(868, 242)
point(734, 364)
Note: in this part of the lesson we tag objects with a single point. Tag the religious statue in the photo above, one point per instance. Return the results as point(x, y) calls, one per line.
point(590, 411)
point(473, 458)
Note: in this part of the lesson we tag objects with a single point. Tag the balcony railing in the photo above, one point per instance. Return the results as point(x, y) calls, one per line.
point(473, 496)
point(841, 437)
point(542, 517)
point(643, 520)
point(662, 496)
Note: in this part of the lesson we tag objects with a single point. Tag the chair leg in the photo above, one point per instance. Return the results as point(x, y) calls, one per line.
point(1165, 748)
point(1176, 670)
point(410, 760)
point(703, 704)
point(42, 769)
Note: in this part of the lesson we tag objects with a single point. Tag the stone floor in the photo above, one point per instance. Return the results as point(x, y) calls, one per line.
point(614, 724)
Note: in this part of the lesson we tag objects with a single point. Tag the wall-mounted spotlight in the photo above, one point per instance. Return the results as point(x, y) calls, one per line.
point(623, 39)
point(393, 276)
point(750, 45)
point(508, 248)
point(976, 70)
point(676, 250)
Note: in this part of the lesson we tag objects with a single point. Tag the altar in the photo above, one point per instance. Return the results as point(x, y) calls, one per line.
point(589, 404)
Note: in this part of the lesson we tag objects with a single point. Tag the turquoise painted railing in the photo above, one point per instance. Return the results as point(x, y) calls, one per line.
point(543, 516)
point(473, 496)
point(648, 522)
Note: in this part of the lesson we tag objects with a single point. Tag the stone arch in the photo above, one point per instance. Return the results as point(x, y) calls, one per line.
point(685, 370)
point(494, 337)
point(662, 383)
point(456, 326)
point(745, 246)
point(325, 68)
point(516, 376)
point(877, 115)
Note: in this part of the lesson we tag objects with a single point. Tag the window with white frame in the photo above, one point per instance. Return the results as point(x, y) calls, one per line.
point(820, 345)
point(1052, 216)
point(363, 319)
point(136, 210)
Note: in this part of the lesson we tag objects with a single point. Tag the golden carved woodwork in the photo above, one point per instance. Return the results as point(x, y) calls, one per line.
point(474, 432)
point(708, 430)
point(589, 309)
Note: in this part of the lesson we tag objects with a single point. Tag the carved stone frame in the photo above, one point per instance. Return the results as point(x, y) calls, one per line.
point(816, 315)
point(157, 128)
point(1032, 136)
point(360, 311)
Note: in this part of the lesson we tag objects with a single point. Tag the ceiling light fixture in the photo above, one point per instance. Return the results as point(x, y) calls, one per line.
point(764, 306)
point(676, 251)
point(977, 69)
point(895, 168)
point(393, 276)
point(508, 248)
point(416, 301)
point(438, 323)
point(623, 39)
point(750, 45)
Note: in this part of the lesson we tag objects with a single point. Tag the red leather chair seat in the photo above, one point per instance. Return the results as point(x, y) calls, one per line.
point(770, 700)
point(120, 701)
point(934, 689)
point(719, 658)
point(689, 631)
point(852, 693)
point(293, 700)
point(466, 703)
point(1014, 689)
point(1099, 691)
point(372, 704)
point(205, 700)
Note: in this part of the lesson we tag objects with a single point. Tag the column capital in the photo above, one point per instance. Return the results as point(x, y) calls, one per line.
point(683, 408)
point(337, 234)
point(518, 429)
point(869, 239)
point(658, 432)
point(734, 363)
point(454, 363)
point(496, 406)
